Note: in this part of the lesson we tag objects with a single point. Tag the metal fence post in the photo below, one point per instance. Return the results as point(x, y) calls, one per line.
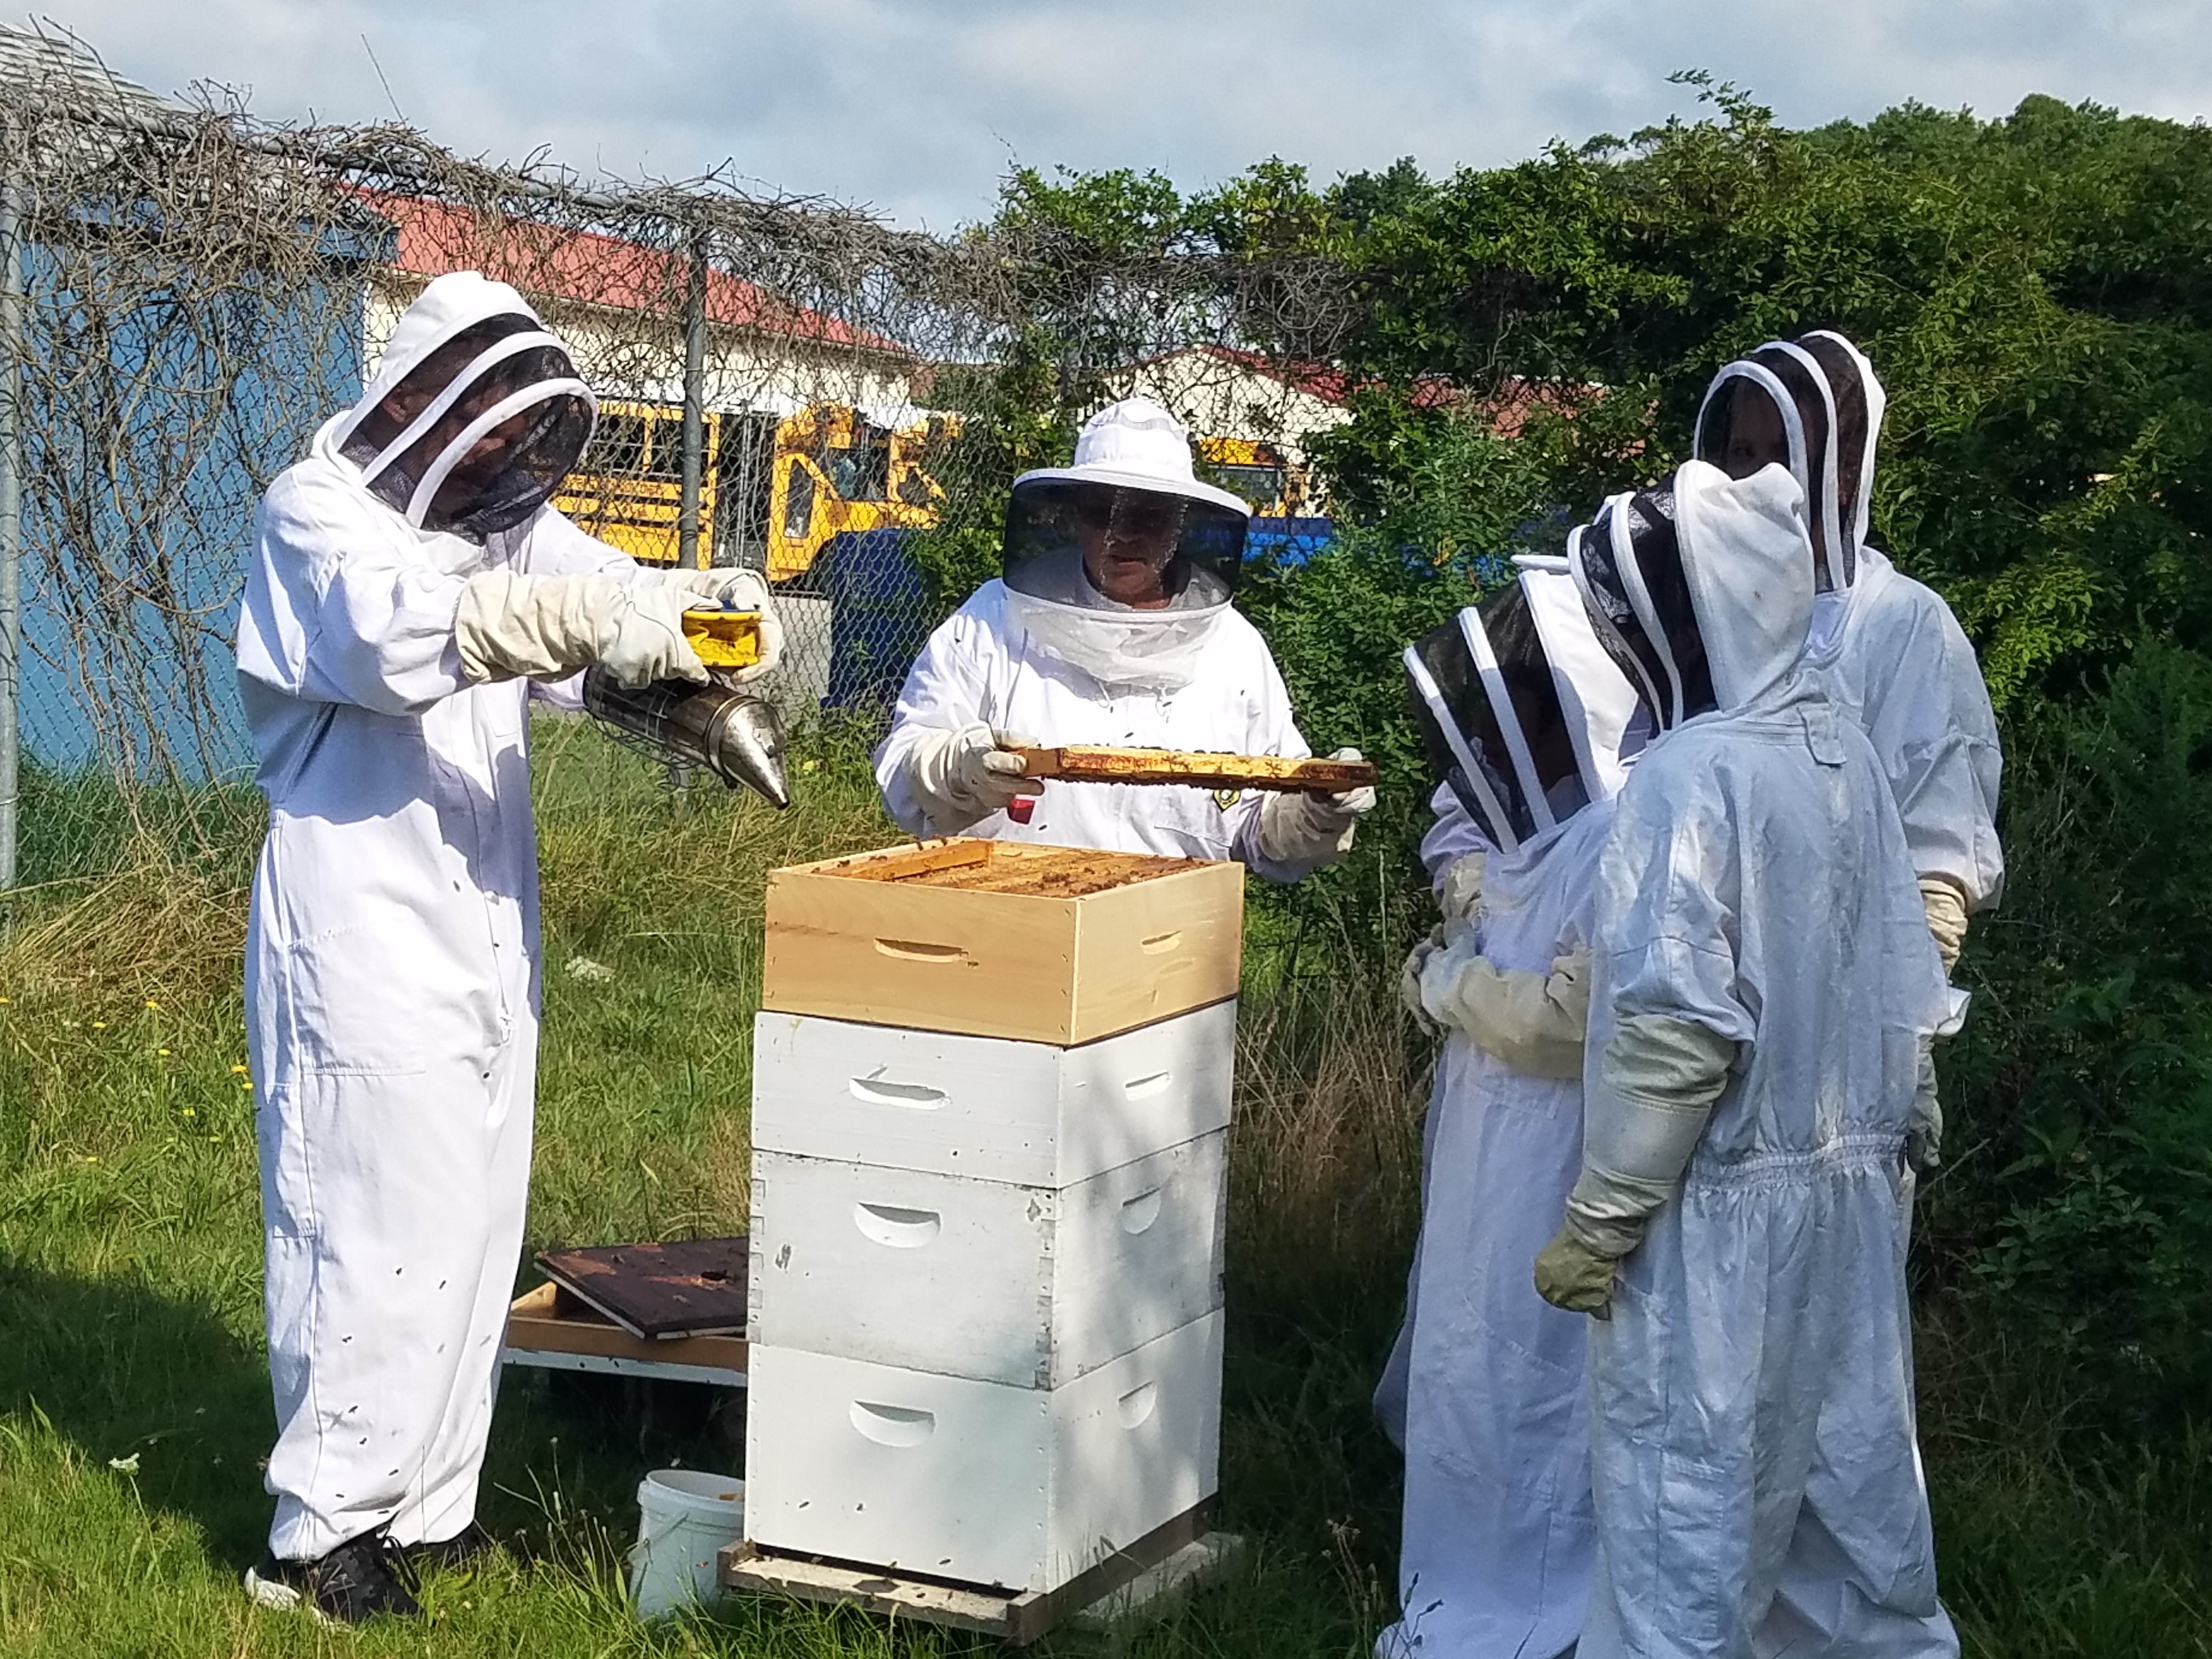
point(695, 402)
point(11, 506)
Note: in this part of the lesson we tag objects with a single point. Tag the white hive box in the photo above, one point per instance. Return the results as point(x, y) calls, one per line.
point(1033, 1286)
point(1023, 1488)
point(994, 1108)
point(1056, 945)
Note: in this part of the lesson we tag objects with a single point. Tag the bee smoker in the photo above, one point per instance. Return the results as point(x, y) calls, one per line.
point(737, 738)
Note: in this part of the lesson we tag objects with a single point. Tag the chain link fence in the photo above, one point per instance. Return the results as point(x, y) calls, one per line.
point(187, 292)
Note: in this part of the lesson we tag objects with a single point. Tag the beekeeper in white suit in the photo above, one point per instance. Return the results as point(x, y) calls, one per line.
point(1111, 624)
point(1526, 716)
point(1763, 980)
point(1890, 649)
point(409, 588)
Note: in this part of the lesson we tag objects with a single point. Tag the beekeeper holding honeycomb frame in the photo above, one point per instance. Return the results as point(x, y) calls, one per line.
point(1111, 624)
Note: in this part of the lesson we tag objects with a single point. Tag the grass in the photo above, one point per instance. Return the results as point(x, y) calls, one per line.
point(134, 1401)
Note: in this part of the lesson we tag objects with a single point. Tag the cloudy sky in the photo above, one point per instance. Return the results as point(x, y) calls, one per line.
point(917, 106)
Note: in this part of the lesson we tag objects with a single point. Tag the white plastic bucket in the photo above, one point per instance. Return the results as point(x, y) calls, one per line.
point(684, 1517)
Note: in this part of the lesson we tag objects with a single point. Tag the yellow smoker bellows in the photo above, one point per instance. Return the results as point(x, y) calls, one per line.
point(724, 639)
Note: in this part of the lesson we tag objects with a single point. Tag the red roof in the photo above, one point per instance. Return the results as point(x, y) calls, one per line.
point(590, 269)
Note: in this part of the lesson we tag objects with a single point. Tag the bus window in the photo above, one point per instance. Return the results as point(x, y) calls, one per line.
point(667, 462)
point(1261, 486)
point(863, 471)
point(618, 446)
point(798, 502)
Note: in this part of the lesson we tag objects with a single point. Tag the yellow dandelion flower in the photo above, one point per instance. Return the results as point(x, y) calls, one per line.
point(188, 1112)
point(154, 1006)
point(164, 1052)
point(236, 1069)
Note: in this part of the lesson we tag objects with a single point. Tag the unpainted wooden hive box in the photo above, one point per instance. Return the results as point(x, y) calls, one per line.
point(1055, 944)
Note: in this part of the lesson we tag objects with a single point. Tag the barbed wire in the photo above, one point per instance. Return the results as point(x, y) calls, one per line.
point(202, 289)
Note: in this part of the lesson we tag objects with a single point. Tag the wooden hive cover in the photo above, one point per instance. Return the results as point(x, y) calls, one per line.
point(1057, 944)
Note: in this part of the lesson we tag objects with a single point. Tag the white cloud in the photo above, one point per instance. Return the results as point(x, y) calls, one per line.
point(916, 106)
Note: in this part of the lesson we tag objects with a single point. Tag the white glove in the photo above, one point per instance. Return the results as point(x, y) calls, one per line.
point(1533, 1022)
point(1459, 895)
point(1409, 976)
point(1947, 917)
point(511, 625)
point(959, 778)
point(1924, 1125)
point(1299, 829)
point(736, 589)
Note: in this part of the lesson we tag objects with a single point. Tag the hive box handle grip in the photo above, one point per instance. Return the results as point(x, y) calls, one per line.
point(874, 1091)
point(1160, 944)
point(1134, 1407)
point(895, 1426)
point(901, 1230)
point(1139, 1212)
point(1144, 1088)
point(911, 950)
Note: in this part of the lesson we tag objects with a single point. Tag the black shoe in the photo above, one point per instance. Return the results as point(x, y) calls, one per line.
point(466, 1548)
point(355, 1581)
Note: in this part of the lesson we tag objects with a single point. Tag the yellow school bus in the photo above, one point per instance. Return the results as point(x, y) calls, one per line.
point(835, 470)
point(771, 491)
point(1266, 478)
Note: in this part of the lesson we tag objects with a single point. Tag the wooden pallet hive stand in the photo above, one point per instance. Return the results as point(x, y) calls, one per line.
point(1015, 1616)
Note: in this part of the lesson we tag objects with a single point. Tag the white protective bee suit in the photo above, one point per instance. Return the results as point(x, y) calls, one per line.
point(1499, 1542)
point(1764, 983)
point(1043, 651)
point(391, 959)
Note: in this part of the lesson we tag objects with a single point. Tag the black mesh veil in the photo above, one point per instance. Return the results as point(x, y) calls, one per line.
point(1628, 566)
point(1109, 546)
point(1852, 401)
point(1780, 404)
point(480, 434)
point(1488, 708)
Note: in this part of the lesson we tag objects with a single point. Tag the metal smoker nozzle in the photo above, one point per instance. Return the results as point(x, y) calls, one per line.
point(737, 738)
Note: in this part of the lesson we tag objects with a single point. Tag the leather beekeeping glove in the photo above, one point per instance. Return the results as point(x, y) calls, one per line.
point(1946, 906)
point(1298, 828)
point(1924, 1125)
point(1658, 1079)
point(1409, 976)
point(960, 777)
point(1531, 1021)
point(1459, 895)
point(736, 590)
point(1572, 1276)
point(511, 625)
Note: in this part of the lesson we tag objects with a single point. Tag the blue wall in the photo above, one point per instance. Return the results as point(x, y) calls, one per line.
point(178, 405)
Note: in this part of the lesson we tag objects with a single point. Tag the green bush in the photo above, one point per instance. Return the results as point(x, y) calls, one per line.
point(2080, 1189)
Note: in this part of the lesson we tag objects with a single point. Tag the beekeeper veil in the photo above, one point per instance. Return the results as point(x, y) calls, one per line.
point(1525, 736)
point(475, 413)
point(1122, 562)
point(1782, 404)
point(1701, 588)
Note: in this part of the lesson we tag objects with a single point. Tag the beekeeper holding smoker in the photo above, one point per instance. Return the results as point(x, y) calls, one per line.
point(410, 590)
point(1111, 624)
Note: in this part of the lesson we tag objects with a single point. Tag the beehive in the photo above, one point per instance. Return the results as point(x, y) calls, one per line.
point(990, 1104)
point(997, 938)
